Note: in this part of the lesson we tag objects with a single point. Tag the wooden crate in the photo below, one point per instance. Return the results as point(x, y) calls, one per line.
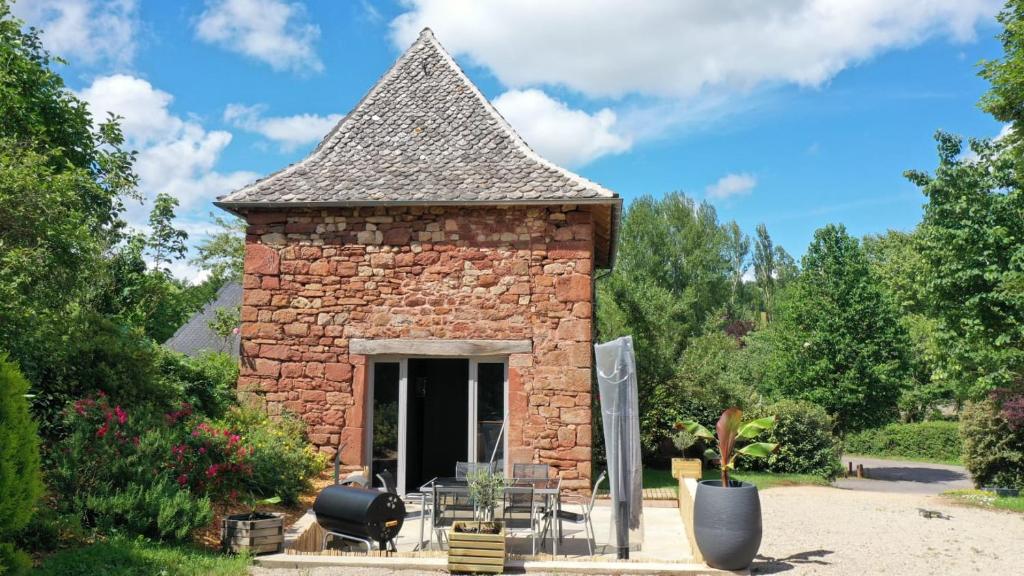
point(686, 468)
point(468, 552)
point(254, 536)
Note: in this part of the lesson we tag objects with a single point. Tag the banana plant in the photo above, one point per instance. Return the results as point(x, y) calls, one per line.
point(731, 428)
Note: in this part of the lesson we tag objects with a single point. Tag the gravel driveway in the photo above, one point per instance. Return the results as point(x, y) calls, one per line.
point(817, 530)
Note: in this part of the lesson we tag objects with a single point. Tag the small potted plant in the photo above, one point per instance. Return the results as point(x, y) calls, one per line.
point(684, 467)
point(479, 546)
point(727, 513)
point(253, 532)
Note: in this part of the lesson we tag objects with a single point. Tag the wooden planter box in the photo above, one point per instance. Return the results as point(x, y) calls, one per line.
point(256, 535)
point(686, 468)
point(472, 552)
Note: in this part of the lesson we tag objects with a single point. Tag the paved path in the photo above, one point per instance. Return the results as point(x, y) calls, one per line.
point(904, 477)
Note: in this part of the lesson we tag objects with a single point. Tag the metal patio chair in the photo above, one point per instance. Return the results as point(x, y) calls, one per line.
point(464, 469)
point(522, 498)
point(531, 471)
point(446, 508)
point(583, 516)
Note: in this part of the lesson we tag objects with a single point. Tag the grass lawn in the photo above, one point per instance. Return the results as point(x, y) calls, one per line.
point(983, 499)
point(847, 457)
point(655, 478)
point(126, 557)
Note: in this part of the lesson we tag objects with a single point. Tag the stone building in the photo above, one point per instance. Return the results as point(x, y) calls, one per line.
point(420, 288)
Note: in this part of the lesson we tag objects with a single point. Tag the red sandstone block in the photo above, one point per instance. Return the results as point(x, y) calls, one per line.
point(582, 310)
point(345, 269)
point(583, 432)
point(574, 288)
point(292, 369)
point(266, 217)
point(578, 415)
point(427, 258)
point(563, 401)
point(569, 250)
point(270, 283)
point(578, 217)
point(313, 396)
point(574, 330)
point(266, 367)
point(320, 268)
point(339, 372)
point(275, 351)
point(261, 259)
point(296, 329)
point(310, 252)
point(256, 297)
point(397, 236)
point(315, 370)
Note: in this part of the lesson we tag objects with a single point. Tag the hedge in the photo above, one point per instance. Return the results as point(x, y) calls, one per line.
point(935, 440)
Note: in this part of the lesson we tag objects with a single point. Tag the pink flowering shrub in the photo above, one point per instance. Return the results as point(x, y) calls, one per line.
point(115, 460)
point(208, 459)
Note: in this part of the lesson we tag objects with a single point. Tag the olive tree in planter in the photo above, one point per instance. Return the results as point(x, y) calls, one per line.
point(479, 546)
point(727, 513)
point(684, 467)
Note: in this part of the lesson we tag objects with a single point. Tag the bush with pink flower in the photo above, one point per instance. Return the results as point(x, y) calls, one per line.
point(116, 460)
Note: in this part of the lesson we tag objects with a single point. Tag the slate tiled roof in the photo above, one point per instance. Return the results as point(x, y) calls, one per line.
point(423, 134)
point(196, 337)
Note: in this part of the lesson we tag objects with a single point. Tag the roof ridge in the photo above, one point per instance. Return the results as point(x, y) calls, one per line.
point(299, 189)
point(428, 34)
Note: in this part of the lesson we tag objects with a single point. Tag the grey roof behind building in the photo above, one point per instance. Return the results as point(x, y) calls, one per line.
point(423, 135)
point(196, 336)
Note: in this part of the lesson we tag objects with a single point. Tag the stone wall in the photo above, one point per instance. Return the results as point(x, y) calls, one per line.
point(316, 279)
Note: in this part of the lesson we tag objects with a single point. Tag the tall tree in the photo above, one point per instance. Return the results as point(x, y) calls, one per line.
point(62, 188)
point(1005, 97)
point(773, 268)
point(737, 249)
point(165, 243)
point(222, 253)
point(972, 242)
point(836, 340)
point(672, 274)
point(895, 259)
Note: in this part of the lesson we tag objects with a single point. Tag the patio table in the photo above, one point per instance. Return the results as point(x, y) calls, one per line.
point(548, 488)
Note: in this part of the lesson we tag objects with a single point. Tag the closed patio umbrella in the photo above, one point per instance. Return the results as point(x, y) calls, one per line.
point(617, 386)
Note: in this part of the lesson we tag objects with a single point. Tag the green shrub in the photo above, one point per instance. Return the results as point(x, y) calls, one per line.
point(141, 473)
point(803, 432)
point(933, 440)
point(13, 562)
point(20, 485)
point(160, 510)
point(122, 556)
point(205, 382)
point(993, 450)
point(283, 461)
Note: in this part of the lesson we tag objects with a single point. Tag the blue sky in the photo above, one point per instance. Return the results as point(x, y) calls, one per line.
point(795, 113)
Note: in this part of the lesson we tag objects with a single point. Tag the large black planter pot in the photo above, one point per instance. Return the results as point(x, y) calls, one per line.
point(727, 523)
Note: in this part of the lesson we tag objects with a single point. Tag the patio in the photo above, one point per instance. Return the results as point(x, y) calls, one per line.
point(664, 549)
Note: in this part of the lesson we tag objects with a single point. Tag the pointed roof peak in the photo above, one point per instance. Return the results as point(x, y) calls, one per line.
point(424, 134)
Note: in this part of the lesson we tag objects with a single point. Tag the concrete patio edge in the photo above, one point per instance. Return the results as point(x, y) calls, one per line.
point(296, 561)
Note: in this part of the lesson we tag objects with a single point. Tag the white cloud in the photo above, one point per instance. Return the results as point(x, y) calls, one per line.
point(273, 31)
point(561, 134)
point(668, 48)
point(176, 156)
point(85, 31)
point(731, 185)
point(289, 132)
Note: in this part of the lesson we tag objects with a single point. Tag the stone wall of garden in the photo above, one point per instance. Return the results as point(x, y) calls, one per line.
point(314, 280)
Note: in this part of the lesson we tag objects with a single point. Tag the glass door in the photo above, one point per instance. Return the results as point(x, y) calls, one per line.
point(488, 411)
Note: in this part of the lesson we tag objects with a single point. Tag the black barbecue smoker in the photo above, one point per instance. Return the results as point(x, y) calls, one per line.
point(362, 515)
